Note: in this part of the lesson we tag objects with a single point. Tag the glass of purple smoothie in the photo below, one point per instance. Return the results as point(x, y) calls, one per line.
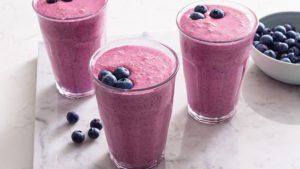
point(216, 39)
point(72, 31)
point(136, 121)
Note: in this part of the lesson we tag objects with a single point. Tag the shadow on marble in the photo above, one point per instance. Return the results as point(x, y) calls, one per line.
point(271, 99)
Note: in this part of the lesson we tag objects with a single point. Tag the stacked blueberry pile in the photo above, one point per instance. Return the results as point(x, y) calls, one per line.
point(281, 42)
point(78, 136)
point(119, 78)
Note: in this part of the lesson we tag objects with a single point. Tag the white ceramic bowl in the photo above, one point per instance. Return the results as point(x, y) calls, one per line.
point(281, 71)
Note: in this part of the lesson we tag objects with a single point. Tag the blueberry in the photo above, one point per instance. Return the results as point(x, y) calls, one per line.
point(291, 42)
point(284, 56)
point(280, 28)
point(270, 53)
point(279, 36)
point(267, 31)
point(282, 47)
point(93, 133)
point(201, 8)
point(196, 16)
point(260, 28)
point(291, 34)
point(124, 83)
point(294, 50)
point(78, 136)
point(266, 40)
point(261, 47)
point(293, 58)
point(109, 80)
point(255, 43)
point(51, 1)
point(72, 117)
point(67, 0)
point(288, 27)
point(121, 72)
point(96, 123)
point(256, 37)
point(102, 73)
point(297, 43)
point(287, 60)
point(217, 13)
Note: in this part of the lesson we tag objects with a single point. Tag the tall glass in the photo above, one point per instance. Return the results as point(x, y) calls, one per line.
point(136, 121)
point(214, 70)
point(70, 42)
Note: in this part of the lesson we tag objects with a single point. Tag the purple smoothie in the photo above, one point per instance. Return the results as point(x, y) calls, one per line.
point(72, 32)
point(136, 121)
point(215, 54)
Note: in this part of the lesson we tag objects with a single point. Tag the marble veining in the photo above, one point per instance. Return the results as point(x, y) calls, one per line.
point(264, 134)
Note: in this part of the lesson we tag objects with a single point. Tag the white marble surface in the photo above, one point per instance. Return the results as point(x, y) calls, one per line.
point(19, 36)
point(264, 134)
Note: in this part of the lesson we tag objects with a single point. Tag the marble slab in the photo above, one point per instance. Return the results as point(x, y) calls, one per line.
point(264, 134)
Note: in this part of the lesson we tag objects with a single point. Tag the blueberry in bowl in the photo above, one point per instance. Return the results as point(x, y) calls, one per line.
point(276, 47)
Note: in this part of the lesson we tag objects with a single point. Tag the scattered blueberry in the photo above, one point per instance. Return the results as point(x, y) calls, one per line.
point(261, 47)
point(282, 47)
point(279, 36)
point(72, 117)
point(266, 40)
point(287, 60)
point(93, 133)
point(291, 34)
point(291, 42)
point(255, 43)
point(217, 13)
point(256, 37)
point(124, 83)
point(96, 123)
point(280, 28)
point(196, 16)
point(288, 27)
point(260, 28)
point(78, 136)
point(103, 73)
point(270, 53)
point(121, 72)
point(201, 8)
point(109, 80)
point(294, 50)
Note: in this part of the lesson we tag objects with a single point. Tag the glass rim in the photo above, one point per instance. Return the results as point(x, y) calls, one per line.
point(218, 42)
point(68, 19)
point(106, 48)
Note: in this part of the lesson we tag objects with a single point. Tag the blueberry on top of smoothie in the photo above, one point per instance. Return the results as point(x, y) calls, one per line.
point(109, 80)
point(121, 72)
point(217, 13)
point(124, 83)
point(196, 16)
point(67, 0)
point(201, 9)
point(51, 1)
point(103, 73)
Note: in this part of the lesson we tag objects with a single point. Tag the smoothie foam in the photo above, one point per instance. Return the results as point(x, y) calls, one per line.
point(136, 122)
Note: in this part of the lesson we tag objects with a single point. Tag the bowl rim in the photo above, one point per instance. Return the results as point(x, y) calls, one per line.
point(268, 57)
